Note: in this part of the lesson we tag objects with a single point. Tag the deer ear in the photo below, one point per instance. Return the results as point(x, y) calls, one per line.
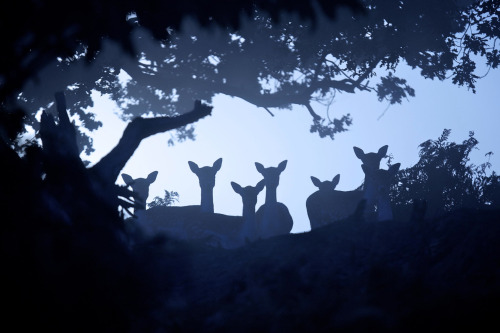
point(393, 169)
point(217, 164)
point(193, 166)
point(359, 152)
point(260, 185)
point(335, 180)
point(282, 166)
point(316, 181)
point(127, 179)
point(260, 167)
point(152, 177)
point(383, 151)
point(236, 187)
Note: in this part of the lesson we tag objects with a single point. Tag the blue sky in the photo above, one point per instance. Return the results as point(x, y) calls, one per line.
point(242, 134)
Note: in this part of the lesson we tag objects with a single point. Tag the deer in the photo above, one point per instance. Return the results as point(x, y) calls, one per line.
point(249, 231)
point(371, 161)
point(318, 204)
point(206, 176)
point(273, 217)
point(140, 186)
point(328, 205)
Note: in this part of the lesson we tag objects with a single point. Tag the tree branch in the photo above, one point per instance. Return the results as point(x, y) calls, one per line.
point(311, 111)
point(267, 109)
point(109, 167)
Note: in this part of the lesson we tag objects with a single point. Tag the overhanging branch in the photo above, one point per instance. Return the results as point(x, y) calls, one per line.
point(109, 167)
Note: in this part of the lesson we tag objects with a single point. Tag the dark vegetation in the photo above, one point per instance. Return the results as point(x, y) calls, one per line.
point(306, 60)
point(168, 199)
point(444, 180)
point(67, 263)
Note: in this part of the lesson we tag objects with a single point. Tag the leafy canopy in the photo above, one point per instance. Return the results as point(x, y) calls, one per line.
point(276, 60)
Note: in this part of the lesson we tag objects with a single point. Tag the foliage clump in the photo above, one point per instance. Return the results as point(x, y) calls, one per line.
point(167, 200)
point(446, 180)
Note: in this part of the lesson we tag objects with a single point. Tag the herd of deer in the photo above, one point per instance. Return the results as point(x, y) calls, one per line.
point(327, 205)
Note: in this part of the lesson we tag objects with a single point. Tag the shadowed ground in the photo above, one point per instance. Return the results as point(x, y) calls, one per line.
point(350, 276)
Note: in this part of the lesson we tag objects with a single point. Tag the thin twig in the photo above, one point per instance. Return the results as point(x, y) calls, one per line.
point(269, 111)
point(383, 113)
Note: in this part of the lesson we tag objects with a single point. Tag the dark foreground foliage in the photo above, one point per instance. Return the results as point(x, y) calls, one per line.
point(351, 276)
point(67, 262)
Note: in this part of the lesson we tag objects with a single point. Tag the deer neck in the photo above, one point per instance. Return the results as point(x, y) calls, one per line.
point(370, 194)
point(369, 183)
point(249, 227)
point(384, 209)
point(271, 195)
point(140, 204)
point(207, 200)
point(248, 214)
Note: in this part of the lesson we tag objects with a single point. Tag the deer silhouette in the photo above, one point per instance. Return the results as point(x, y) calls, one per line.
point(318, 204)
point(273, 217)
point(249, 231)
point(328, 205)
point(206, 176)
point(371, 162)
point(140, 186)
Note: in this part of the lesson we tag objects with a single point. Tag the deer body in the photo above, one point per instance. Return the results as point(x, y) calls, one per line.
point(328, 205)
point(190, 223)
point(381, 181)
point(273, 217)
point(318, 204)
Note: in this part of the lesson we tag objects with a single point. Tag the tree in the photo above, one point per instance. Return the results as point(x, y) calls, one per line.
point(446, 180)
point(279, 63)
